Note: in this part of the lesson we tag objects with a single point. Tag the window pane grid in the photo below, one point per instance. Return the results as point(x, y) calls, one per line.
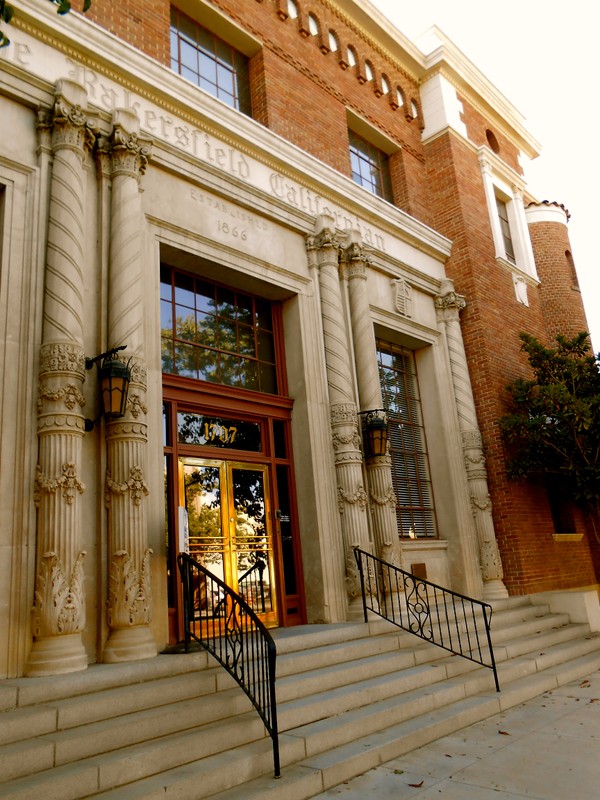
point(209, 62)
point(505, 228)
point(415, 512)
point(370, 168)
point(215, 334)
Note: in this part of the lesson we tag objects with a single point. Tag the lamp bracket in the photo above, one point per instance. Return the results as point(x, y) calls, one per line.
point(89, 362)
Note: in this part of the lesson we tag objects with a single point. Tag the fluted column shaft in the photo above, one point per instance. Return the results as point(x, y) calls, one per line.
point(59, 603)
point(379, 474)
point(129, 607)
point(352, 498)
point(448, 306)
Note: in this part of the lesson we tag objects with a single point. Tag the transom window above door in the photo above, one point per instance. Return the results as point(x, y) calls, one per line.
point(217, 334)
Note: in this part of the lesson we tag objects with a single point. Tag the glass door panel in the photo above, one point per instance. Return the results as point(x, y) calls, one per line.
point(253, 543)
point(224, 523)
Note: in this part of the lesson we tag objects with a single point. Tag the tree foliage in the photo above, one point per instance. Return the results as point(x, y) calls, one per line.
point(7, 12)
point(553, 430)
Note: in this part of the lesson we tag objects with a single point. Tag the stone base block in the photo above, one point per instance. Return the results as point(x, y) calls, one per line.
point(56, 655)
point(581, 605)
point(494, 590)
point(129, 644)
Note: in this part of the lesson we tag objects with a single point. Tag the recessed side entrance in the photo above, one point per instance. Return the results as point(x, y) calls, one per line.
point(229, 483)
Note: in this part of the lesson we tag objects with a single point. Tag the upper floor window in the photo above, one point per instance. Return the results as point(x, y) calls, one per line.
point(292, 9)
point(509, 249)
point(370, 167)
point(217, 334)
point(352, 60)
point(411, 479)
point(385, 85)
point(313, 25)
point(368, 71)
point(209, 62)
point(508, 221)
point(333, 42)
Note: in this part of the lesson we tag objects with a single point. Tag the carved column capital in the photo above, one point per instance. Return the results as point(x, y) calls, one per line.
point(449, 304)
point(355, 258)
point(129, 152)
point(72, 127)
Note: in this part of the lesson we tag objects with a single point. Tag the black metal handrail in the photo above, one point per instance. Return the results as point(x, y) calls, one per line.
point(450, 620)
point(234, 635)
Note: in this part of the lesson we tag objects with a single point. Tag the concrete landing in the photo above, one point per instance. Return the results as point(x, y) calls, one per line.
point(544, 749)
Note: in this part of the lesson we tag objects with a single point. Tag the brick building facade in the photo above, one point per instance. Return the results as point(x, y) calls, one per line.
point(290, 215)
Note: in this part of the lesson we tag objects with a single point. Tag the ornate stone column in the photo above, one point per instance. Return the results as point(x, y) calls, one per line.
point(379, 474)
point(59, 604)
point(352, 497)
point(448, 306)
point(129, 607)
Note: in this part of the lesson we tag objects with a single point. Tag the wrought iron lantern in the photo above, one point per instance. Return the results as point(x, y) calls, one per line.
point(114, 376)
point(375, 432)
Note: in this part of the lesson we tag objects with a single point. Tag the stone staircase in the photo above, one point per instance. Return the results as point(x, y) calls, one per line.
point(350, 697)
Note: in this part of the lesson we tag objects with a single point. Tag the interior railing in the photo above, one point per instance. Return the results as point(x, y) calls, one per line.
point(450, 620)
point(222, 621)
point(252, 586)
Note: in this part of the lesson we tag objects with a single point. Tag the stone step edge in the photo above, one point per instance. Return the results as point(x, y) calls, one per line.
point(573, 670)
point(345, 668)
point(368, 753)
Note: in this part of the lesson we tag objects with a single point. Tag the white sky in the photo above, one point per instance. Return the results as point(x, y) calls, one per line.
point(541, 54)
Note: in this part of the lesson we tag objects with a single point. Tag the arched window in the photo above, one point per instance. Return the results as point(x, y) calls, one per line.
point(352, 59)
point(333, 42)
point(385, 85)
point(572, 270)
point(414, 109)
point(368, 71)
point(313, 25)
point(399, 97)
point(292, 9)
point(492, 141)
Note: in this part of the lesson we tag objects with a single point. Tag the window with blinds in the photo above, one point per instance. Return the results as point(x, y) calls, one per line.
point(415, 511)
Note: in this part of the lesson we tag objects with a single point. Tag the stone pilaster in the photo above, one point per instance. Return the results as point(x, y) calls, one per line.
point(379, 473)
point(129, 607)
point(448, 306)
point(59, 603)
point(352, 497)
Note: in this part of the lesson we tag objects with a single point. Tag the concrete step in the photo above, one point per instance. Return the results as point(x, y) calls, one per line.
point(178, 726)
point(156, 756)
point(97, 677)
point(334, 766)
point(123, 731)
point(27, 722)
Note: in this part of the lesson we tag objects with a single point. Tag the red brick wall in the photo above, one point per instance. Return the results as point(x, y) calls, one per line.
point(559, 290)
point(300, 91)
point(491, 322)
point(145, 25)
point(477, 126)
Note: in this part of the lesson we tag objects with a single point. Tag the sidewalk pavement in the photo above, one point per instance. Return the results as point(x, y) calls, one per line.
point(545, 749)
